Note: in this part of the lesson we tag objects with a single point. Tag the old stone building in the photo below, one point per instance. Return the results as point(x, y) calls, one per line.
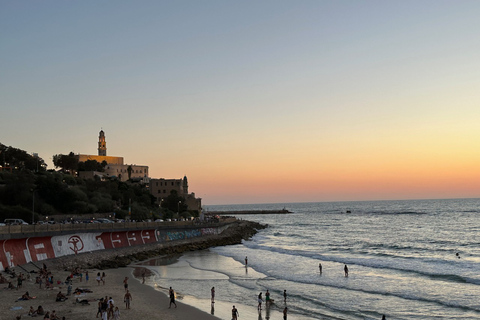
point(115, 166)
point(161, 188)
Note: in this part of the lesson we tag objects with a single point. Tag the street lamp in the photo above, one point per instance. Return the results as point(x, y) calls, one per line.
point(178, 211)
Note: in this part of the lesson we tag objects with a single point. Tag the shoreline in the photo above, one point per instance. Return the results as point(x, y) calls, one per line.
point(147, 303)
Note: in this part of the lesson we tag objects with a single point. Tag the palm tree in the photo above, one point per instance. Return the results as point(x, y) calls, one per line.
point(129, 170)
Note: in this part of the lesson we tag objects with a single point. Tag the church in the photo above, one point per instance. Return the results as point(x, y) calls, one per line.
point(115, 166)
point(159, 188)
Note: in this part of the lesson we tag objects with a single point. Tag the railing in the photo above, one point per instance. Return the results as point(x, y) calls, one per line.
point(89, 227)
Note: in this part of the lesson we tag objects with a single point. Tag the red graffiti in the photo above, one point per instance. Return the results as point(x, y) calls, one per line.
point(75, 240)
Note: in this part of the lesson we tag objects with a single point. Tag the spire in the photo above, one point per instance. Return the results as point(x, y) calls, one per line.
point(102, 145)
point(185, 185)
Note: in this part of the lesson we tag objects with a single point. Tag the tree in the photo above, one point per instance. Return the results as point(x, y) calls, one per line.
point(91, 165)
point(129, 170)
point(68, 163)
point(174, 202)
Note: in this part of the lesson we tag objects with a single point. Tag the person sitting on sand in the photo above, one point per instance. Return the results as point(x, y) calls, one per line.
point(61, 297)
point(83, 302)
point(47, 316)
point(32, 312)
point(53, 316)
point(10, 285)
point(40, 311)
point(26, 296)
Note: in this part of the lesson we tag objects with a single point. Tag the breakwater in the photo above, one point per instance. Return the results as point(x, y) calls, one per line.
point(238, 212)
point(118, 248)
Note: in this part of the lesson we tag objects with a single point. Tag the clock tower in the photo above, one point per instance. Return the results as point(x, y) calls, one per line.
point(102, 145)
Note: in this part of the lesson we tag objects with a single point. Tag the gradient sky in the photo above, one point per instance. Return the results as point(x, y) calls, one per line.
point(255, 101)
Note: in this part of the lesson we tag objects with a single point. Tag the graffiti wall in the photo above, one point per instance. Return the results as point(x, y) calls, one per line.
point(15, 252)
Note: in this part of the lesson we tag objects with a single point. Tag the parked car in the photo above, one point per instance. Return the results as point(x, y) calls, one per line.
point(14, 222)
point(159, 220)
point(104, 220)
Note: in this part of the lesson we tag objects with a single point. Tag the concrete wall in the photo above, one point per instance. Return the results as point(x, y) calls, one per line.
point(20, 251)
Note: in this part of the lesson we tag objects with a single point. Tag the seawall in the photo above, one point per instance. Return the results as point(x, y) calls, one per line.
point(109, 249)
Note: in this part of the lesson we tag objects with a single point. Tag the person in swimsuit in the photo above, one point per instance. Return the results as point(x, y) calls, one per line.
point(127, 298)
point(125, 283)
point(260, 300)
point(346, 271)
point(285, 313)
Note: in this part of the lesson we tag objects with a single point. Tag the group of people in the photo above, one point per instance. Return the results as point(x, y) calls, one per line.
point(46, 314)
point(107, 310)
point(345, 269)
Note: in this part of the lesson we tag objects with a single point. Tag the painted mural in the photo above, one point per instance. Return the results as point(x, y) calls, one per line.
point(15, 252)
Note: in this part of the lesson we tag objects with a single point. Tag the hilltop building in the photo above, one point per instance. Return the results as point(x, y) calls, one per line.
point(115, 166)
point(161, 188)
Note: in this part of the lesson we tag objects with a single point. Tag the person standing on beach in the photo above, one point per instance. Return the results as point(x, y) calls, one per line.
point(267, 299)
point(103, 277)
point(143, 276)
point(346, 271)
point(285, 296)
point(86, 276)
point(260, 300)
point(235, 313)
point(246, 261)
point(213, 294)
point(285, 313)
point(99, 278)
point(384, 318)
point(127, 298)
point(320, 268)
point(125, 283)
point(172, 298)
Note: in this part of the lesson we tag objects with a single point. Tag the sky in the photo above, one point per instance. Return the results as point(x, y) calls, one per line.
point(254, 101)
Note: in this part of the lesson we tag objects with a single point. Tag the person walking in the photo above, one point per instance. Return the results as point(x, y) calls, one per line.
point(172, 298)
point(235, 313)
point(213, 294)
point(260, 300)
point(346, 271)
point(320, 268)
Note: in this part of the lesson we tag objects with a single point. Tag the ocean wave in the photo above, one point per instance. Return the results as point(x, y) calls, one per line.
point(404, 264)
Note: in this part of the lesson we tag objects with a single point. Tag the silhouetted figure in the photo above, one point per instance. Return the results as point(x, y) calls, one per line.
point(320, 268)
point(384, 318)
point(458, 255)
point(346, 270)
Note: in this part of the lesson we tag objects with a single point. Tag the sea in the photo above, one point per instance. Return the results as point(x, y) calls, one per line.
point(417, 259)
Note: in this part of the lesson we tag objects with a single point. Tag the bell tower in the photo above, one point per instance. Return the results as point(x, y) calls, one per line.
point(102, 145)
point(185, 185)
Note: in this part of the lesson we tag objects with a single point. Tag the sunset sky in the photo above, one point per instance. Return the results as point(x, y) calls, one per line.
point(255, 101)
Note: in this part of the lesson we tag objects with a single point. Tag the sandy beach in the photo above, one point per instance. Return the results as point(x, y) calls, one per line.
point(147, 303)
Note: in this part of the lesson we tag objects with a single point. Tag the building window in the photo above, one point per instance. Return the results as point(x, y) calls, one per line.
point(164, 191)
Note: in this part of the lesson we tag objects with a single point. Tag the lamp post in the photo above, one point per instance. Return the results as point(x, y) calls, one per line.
point(178, 210)
point(33, 207)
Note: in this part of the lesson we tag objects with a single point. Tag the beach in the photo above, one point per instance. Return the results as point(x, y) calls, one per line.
point(147, 303)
